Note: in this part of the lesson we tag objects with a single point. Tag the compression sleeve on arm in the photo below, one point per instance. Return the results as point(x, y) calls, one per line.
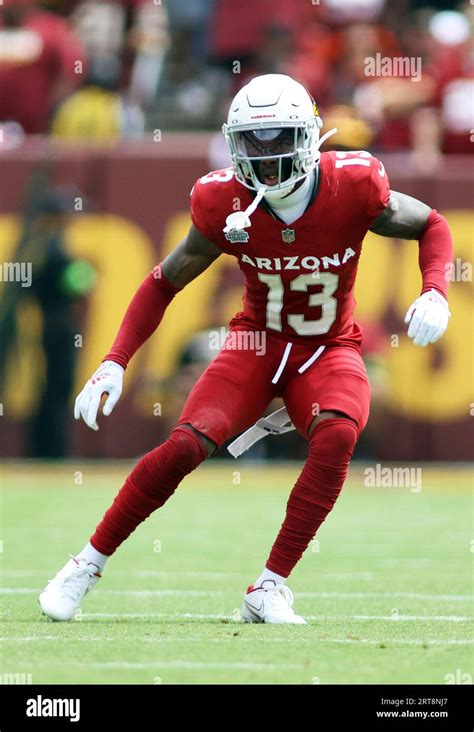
point(142, 317)
point(435, 254)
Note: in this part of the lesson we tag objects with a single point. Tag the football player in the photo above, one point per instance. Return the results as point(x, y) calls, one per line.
point(295, 220)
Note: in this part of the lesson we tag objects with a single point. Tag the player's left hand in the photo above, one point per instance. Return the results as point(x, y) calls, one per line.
point(428, 317)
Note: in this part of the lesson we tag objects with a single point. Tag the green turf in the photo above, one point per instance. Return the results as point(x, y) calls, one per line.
point(383, 554)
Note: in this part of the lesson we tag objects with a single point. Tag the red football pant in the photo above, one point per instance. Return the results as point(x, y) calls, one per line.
point(231, 395)
point(153, 480)
point(330, 450)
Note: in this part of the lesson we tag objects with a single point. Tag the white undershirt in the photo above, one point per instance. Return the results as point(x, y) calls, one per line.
point(293, 206)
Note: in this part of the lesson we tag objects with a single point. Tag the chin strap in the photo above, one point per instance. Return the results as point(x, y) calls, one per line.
point(326, 135)
point(240, 220)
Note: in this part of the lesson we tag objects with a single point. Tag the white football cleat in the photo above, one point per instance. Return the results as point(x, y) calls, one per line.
point(62, 596)
point(270, 605)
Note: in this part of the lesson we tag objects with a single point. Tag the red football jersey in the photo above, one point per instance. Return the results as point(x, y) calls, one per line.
point(299, 278)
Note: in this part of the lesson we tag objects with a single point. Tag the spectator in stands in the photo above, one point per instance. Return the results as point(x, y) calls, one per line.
point(134, 35)
point(189, 95)
point(196, 18)
point(41, 61)
point(353, 133)
point(98, 112)
point(238, 26)
point(453, 68)
point(149, 40)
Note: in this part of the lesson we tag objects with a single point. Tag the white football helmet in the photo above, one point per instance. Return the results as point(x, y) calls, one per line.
point(274, 118)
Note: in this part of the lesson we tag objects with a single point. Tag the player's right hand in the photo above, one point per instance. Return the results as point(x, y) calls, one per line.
point(108, 379)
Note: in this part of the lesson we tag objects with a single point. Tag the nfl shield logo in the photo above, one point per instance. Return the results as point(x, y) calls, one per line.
point(288, 236)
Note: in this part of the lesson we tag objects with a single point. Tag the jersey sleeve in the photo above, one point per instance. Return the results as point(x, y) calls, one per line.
point(198, 215)
point(379, 190)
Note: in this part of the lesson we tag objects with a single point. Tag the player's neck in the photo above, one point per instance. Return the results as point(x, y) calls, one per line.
point(293, 206)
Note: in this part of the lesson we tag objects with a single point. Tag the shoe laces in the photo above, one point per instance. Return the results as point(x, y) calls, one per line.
point(73, 584)
point(281, 598)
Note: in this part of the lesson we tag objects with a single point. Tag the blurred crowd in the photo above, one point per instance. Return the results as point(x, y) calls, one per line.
point(392, 76)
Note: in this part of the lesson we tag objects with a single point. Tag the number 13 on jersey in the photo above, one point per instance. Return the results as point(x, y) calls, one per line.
point(325, 298)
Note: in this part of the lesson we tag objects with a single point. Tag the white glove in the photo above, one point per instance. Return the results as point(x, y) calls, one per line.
point(428, 317)
point(108, 379)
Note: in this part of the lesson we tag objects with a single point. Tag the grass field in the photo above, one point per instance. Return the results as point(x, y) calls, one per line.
point(386, 590)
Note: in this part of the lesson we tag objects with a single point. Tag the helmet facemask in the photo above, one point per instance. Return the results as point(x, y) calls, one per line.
point(289, 149)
